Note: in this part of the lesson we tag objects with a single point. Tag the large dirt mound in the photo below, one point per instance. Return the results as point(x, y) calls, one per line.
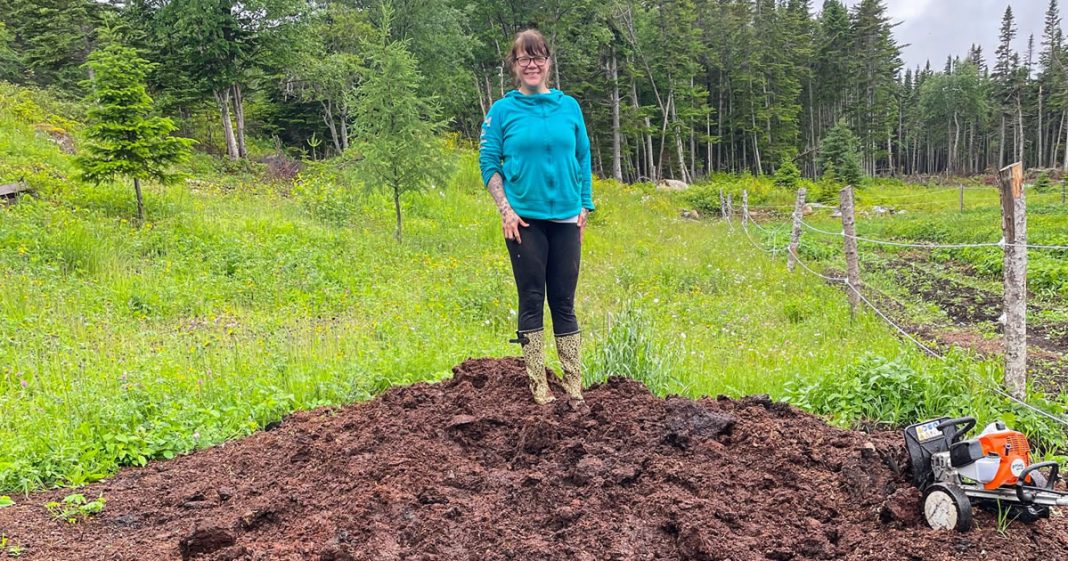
point(470, 469)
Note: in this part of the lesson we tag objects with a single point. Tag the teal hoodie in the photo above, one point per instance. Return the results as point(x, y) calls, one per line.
point(538, 143)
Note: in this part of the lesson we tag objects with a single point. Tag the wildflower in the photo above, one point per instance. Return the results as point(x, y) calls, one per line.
point(23, 382)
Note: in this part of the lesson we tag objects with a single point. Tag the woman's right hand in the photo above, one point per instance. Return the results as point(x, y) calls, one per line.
point(510, 223)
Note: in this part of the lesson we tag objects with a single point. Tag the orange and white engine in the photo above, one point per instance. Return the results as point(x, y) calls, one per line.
point(995, 458)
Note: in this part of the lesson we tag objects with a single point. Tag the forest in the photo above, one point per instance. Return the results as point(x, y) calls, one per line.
point(670, 88)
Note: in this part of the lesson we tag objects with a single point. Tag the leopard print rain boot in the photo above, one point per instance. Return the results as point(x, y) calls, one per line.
point(533, 343)
point(567, 348)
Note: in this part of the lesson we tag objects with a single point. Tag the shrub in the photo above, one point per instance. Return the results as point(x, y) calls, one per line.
point(1042, 183)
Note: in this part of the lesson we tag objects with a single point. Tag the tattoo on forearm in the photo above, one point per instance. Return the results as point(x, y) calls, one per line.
point(496, 188)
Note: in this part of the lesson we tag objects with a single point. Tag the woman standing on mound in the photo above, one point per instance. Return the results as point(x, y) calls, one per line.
point(535, 161)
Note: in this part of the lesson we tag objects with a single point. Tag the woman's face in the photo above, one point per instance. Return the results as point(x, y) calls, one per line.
point(532, 70)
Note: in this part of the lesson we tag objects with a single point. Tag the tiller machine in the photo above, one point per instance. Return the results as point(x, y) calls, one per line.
point(992, 470)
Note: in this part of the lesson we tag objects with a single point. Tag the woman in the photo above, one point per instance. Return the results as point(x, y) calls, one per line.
point(535, 161)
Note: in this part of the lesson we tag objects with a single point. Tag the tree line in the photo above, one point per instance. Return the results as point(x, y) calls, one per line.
point(670, 88)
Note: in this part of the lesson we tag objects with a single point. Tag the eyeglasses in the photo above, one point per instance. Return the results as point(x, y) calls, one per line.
point(525, 61)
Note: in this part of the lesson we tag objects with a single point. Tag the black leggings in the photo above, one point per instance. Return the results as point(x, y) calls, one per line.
point(546, 264)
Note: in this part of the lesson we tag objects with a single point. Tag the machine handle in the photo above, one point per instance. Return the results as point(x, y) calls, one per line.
point(1022, 492)
point(968, 422)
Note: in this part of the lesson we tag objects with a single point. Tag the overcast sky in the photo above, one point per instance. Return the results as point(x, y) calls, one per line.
point(935, 29)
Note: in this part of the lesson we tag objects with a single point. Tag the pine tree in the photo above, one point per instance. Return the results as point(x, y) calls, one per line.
point(397, 128)
point(125, 140)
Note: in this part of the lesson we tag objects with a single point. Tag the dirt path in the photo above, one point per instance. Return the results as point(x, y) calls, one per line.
point(469, 469)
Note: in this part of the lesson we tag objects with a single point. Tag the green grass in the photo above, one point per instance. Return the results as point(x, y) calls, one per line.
point(242, 300)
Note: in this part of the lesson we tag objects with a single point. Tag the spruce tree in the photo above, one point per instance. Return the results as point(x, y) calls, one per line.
point(1005, 91)
point(840, 156)
point(125, 139)
point(787, 175)
point(52, 37)
point(9, 60)
point(1052, 86)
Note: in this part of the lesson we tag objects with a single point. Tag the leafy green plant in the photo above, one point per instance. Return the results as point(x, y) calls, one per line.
point(895, 392)
point(9, 548)
point(631, 350)
point(75, 507)
point(5, 501)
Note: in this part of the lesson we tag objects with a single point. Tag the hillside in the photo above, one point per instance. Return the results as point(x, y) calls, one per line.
point(244, 298)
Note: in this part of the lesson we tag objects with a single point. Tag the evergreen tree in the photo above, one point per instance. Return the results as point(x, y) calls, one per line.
point(396, 127)
point(9, 59)
point(1006, 86)
point(840, 156)
point(1053, 87)
point(831, 68)
point(787, 175)
point(124, 139)
point(52, 37)
point(877, 61)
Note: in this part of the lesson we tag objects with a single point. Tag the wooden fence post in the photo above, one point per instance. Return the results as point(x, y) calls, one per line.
point(962, 197)
point(745, 208)
point(795, 236)
point(849, 232)
point(1014, 228)
point(730, 208)
point(722, 205)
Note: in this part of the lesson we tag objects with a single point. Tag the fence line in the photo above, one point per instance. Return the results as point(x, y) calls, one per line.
point(928, 350)
point(886, 318)
point(934, 245)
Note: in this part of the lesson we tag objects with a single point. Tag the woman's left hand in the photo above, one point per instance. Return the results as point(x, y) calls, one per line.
point(582, 223)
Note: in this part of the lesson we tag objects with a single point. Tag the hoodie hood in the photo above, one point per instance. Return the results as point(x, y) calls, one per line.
point(553, 96)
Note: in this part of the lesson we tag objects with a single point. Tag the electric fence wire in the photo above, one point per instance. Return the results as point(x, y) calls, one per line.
point(989, 386)
point(845, 281)
point(774, 251)
point(933, 245)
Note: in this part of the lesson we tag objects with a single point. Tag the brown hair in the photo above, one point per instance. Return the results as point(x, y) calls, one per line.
point(529, 41)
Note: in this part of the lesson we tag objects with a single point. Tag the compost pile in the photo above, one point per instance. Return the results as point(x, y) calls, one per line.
point(471, 469)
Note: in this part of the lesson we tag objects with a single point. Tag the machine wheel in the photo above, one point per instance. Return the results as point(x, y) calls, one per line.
point(946, 507)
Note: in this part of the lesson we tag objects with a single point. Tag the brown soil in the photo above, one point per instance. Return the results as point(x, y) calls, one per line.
point(968, 308)
point(470, 469)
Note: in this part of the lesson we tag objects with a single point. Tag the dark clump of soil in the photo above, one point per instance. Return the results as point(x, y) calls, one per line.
point(471, 469)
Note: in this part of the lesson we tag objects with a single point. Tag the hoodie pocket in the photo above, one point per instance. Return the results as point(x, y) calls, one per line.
point(514, 174)
point(573, 166)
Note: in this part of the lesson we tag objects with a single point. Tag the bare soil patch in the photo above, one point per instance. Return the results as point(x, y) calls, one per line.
point(973, 315)
point(470, 469)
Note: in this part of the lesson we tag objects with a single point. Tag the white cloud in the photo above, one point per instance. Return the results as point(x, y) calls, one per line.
point(936, 29)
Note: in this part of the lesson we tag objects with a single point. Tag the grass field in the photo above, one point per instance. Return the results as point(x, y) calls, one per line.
point(241, 300)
